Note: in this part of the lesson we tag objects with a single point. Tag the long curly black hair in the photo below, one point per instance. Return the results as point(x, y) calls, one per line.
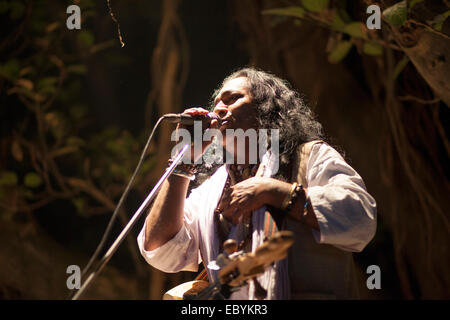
point(280, 107)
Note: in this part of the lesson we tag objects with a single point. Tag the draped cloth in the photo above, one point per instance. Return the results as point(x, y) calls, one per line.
point(276, 279)
point(319, 263)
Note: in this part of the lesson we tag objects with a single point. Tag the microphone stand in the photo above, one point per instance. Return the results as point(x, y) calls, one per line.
point(108, 255)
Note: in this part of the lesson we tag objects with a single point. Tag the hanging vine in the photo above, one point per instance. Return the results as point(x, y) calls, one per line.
point(416, 146)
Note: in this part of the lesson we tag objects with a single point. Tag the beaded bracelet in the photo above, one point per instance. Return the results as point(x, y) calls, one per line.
point(290, 200)
point(288, 197)
point(295, 191)
point(184, 175)
point(184, 170)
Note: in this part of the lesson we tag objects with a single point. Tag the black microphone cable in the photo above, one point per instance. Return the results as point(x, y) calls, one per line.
point(119, 205)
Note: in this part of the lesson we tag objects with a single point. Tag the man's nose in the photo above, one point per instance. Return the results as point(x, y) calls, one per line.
point(221, 110)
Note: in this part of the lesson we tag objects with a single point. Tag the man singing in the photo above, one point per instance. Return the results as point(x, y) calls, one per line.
point(305, 187)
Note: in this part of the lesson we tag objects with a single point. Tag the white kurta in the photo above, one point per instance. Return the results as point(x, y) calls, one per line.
point(345, 211)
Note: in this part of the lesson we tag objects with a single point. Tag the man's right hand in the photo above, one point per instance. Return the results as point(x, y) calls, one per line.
point(213, 125)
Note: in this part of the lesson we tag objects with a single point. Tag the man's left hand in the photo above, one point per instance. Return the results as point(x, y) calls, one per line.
point(251, 194)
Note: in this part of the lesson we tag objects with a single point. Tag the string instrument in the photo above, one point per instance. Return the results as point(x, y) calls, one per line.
point(236, 268)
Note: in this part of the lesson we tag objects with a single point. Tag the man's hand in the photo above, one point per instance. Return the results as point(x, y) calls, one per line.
point(213, 125)
point(251, 194)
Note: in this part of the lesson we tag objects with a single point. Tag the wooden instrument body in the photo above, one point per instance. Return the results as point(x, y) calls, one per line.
point(240, 268)
point(251, 265)
point(191, 287)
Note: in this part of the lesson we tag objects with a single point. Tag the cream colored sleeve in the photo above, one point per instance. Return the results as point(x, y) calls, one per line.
point(181, 253)
point(345, 211)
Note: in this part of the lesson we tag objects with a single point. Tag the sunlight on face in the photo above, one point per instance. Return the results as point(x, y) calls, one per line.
point(234, 106)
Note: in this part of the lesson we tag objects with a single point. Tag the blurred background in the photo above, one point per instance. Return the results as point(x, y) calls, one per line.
point(76, 108)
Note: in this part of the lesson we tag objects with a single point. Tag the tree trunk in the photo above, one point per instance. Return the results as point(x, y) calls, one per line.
point(34, 267)
point(430, 54)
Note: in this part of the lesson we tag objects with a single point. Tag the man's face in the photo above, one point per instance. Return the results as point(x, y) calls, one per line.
point(234, 106)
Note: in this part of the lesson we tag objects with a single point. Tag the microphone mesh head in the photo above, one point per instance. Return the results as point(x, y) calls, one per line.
point(213, 115)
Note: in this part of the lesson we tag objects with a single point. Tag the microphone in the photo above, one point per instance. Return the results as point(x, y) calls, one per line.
point(187, 119)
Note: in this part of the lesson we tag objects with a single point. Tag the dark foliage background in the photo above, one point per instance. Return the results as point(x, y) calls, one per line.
point(76, 109)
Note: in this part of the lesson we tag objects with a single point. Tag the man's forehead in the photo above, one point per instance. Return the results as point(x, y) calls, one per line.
point(239, 83)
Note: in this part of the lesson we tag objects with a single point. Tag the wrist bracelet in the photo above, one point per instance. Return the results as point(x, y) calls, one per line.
point(295, 190)
point(288, 197)
point(184, 175)
point(184, 170)
point(189, 169)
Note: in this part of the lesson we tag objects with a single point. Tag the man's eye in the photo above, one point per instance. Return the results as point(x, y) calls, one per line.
point(234, 97)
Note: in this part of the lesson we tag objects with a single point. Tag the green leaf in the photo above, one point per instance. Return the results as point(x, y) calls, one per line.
point(297, 12)
point(25, 83)
point(79, 204)
point(57, 123)
point(438, 26)
point(413, 3)
point(337, 23)
point(340, 51)
point(47, 84)
point(75, 141)
point(86, 38)
point(17, 10)
point(7, 215)
point(27, 71)
point(344, 15)
point(315, 5)
point(52, 26)
point(438, 21)
point(102, 46)
point(28, 194)
point(400, 66)
point(10, 69)
point(32, 95)
point(355, 29)
point(372, 48)
point(4, 6)
point(84, 4)
point(8, 178)
point(77, 69)
point(32, 180)
point(396, 15)
point(77, 111)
